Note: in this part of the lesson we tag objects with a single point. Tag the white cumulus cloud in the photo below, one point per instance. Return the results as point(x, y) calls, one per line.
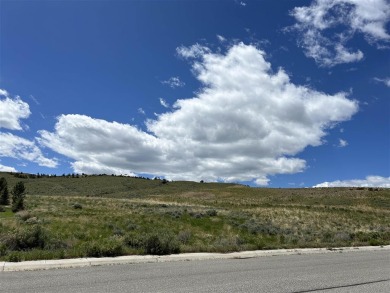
point(96, 145)
point(13, 146)
point(245, 123)
point(11, 111)
point(370, 181)
point(7, 169)
point(326, 26)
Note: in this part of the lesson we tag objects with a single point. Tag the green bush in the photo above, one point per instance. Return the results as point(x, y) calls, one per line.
point(26, 238)
point(161, 243)
point(134, 240)
point(14, 257)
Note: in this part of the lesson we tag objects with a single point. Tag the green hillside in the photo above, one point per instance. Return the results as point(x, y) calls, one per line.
point(69, 216)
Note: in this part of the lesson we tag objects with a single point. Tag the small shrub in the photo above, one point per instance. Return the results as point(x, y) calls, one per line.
point(131, 226)
point(184, 236)
point(228, 244)
point(134, 240)
point(196, 215)
point(342, 236)
point(175, 214)
point(32, 221)
point(211, 213)
point(118, 231)
point(255, 227)
point(161, 244)
point(27, 238)
point(23, 216)
point(77, 206)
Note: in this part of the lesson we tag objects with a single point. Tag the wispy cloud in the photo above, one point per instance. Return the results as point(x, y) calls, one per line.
point(221, 38)
point(370, 181)
point(241, 3)
point(164, 103)
point(245, 123)
point(34, 99)
point(385, 81)
point(316, 24)
point(193, 51)
point(141, 111)
point(174, 82)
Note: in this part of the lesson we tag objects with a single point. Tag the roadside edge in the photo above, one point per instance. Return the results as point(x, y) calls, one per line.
point(136, 259)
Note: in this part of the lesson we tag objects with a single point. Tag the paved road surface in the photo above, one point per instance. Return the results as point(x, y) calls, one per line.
point(332, 272)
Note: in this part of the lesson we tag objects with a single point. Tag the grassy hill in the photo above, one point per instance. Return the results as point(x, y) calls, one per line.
point(109, 215)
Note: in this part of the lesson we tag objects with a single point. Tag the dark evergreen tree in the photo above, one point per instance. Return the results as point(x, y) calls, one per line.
point(18, 193)
point(4, 195)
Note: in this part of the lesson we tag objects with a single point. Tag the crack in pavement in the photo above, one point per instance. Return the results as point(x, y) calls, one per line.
point(342, 286)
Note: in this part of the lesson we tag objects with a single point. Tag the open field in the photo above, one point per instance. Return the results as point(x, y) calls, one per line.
point(107, 216)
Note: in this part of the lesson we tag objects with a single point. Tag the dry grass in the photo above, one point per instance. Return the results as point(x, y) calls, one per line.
point(105, 215)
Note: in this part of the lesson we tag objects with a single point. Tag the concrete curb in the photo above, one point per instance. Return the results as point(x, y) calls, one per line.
point(135, 259)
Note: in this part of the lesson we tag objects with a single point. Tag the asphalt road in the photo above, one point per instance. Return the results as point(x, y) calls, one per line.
point(331, 272)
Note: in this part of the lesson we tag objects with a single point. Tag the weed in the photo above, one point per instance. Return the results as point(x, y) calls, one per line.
point(103, 247)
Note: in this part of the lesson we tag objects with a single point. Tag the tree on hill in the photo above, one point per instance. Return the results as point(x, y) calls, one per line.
point(4, 195)
point(18, 193)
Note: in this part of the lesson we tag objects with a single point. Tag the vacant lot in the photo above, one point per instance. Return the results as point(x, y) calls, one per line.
point(69, 217)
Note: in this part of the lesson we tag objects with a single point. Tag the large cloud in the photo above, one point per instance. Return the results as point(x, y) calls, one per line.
point(370, 181)
point(326, 26)
point(11, 111)
point(97, 145)
point(246, 122)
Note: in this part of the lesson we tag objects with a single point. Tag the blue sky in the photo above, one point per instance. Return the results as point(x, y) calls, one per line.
point(267, 93)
